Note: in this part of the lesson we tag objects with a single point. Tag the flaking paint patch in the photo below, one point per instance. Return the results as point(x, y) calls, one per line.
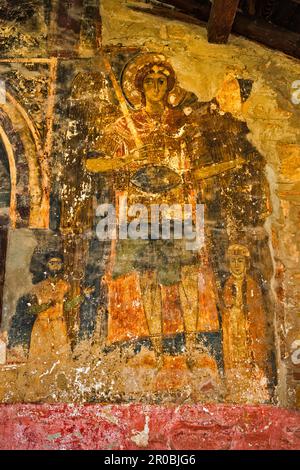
point(52, 437)
point(141, 438)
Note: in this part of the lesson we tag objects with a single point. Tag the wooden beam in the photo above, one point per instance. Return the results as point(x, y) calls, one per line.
point(258, 30)
point(268, 34)
point(172, 15)
point(221, 19)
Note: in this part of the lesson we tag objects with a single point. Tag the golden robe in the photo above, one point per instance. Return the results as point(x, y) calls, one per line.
point(244, 340)
point(49, 339)
point(171, 142)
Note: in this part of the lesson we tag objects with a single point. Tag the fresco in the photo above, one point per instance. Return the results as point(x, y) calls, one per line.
point(145, 268)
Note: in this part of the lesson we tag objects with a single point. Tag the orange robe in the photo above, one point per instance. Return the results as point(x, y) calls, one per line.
point(49, 339)
point(167, 145)
point(244, 338)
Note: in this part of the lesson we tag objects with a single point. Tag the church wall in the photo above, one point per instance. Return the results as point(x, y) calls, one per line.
point(123, 331)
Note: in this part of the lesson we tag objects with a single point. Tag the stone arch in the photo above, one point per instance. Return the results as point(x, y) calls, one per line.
point(28, 166)
point(19, 205)
point(27, 172)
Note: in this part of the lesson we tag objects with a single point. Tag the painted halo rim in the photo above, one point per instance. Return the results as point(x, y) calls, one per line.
point(129, 72)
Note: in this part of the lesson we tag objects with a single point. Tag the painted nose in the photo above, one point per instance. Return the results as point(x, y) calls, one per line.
point(236, 264)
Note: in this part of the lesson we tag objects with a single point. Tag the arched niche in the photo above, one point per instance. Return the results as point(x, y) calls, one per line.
point(29, 198)
point(24, 194)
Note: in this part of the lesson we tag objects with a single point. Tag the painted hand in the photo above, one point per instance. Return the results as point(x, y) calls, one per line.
point(88, 291)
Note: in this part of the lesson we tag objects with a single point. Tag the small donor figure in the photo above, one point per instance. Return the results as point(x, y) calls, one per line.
point(49, 337)
point(244, 331)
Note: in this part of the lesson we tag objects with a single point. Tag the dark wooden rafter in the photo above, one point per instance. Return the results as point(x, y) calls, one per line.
point(268, 34)
point(256, 29)
point(221, 19)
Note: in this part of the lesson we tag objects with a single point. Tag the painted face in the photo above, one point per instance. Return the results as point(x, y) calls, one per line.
point(155, 86)
point(237, 265)
point(54, 265)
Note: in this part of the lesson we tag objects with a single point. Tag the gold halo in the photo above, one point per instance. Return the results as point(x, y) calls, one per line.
point(238, 250)
point(132, 95)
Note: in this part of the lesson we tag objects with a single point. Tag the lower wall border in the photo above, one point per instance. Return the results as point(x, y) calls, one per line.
point(138, 426)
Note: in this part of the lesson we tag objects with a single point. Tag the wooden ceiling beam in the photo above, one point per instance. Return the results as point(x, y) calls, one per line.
point(221, 19)
point(256, 29)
